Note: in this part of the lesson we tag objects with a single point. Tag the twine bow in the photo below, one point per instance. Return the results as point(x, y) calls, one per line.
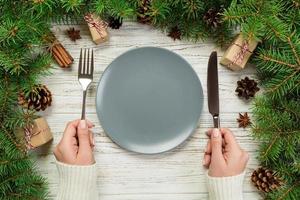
point(239, 57)
point(28, 135)
point(97, 24)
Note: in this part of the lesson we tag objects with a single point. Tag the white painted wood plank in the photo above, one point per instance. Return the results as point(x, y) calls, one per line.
point(123, 175)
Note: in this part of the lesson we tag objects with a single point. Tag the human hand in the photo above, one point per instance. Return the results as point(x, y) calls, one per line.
point(76, 145)
point(223, 155)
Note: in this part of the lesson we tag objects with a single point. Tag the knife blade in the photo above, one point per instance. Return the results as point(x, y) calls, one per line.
point(213, 88)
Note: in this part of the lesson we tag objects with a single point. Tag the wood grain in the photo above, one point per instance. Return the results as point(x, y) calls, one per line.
point(122, 175)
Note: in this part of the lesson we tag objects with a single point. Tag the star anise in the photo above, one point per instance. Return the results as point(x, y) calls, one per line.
point(243, 120)
point(175, 33)
point(73, 34)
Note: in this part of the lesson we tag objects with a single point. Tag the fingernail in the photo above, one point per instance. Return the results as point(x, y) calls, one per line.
point(215, 133)
point(93, 142)
point(82, 124)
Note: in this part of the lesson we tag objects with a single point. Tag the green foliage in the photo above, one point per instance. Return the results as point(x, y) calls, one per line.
point(22, 62)
point(24, 25)
point(277, 127)
point(277, 113)
point(275, 24)
point(187, 15)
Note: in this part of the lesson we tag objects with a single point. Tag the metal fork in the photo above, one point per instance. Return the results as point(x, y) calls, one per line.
point(85, 73)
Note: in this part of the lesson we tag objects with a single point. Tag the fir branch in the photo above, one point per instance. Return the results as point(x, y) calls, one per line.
point(291, 188)
point(293, 47)
point(281, 62)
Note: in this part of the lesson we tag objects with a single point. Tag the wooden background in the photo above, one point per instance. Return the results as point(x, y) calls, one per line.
point(123, 175)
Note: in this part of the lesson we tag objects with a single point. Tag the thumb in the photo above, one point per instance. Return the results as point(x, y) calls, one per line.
point(216, 145)
point(83, 137)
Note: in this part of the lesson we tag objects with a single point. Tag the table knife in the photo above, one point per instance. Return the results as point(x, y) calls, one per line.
point(213, 88)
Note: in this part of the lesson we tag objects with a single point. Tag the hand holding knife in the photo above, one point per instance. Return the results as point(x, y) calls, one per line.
point(213, 88)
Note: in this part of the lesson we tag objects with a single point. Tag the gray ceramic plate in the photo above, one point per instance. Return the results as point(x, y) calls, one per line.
point(149, 100)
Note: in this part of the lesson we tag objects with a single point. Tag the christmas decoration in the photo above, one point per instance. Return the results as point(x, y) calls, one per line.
point(175, 33)
point(115, 23)
point(98, 28)
point(59, 53)
point(213, 17)
point(143, 16)
point(238, 54)
point(276, 113)
point(36, 134)
point(265, 180)
point(243, 120)
point(73, 34)
point(246, 88)
point(39, 98)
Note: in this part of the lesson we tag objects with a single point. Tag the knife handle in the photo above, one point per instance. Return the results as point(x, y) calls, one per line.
point(216, 121)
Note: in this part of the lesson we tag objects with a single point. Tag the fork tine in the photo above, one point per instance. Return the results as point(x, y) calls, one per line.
point(80, 62)
point(92, 63)
point(88, 61)
point(84, 62)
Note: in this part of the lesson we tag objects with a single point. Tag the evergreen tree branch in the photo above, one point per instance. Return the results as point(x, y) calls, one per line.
point(293, 47)
point(291, 188)
point(281, 62)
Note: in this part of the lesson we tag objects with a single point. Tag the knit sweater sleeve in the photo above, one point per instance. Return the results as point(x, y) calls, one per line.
point(225, 188)
point(77, 182)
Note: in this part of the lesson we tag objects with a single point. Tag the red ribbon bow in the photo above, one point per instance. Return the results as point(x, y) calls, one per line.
point(239, 57)
point(98, 24)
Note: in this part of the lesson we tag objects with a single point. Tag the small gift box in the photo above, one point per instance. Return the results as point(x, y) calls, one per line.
point(40, 133)
point(238, 54)
point(98, 28)
point(36, 134)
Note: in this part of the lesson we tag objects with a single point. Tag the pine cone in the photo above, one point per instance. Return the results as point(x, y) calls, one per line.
point(39, 98)
point(246, 88)
point(115, 23)
point(265, 180)
point(175, 33)
point(143, 17)
point(213, 17)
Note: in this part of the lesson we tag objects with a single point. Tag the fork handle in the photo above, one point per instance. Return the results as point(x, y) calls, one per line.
point(83, 105)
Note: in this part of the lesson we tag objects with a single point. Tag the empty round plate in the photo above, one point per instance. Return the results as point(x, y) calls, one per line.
point(149, 100)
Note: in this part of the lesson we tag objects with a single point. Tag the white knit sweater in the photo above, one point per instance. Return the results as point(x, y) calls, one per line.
point(80, 183)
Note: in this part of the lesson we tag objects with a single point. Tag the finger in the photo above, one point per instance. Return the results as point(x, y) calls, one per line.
point(216, 146)
point(74, 141)
point(229, 138)
point(206, 160)
point(208, 132)
point(75, 149)
point(57, 154)
point(208, 147)
point(207, 154)
point(92, 138)
point(71, 128)
point(83, 138)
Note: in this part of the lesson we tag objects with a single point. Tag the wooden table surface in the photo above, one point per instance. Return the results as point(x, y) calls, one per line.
point(123, 175)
